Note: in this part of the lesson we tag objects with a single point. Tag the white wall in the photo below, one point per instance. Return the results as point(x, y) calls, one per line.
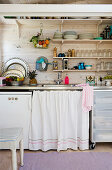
point(12, 46)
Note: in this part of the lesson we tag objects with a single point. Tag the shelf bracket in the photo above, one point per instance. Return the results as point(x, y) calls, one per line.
point(98, 58)
point(100, 22)
point(97, 45)
point(18, 27)
point(62, 21)
point(61, 27)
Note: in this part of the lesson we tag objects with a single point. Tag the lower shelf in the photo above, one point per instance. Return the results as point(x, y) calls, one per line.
point(81, 70)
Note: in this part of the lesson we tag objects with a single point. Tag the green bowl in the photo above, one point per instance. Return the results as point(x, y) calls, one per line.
point(98, 38)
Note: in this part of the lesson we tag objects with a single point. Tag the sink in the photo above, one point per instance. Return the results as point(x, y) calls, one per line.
point(58, 85)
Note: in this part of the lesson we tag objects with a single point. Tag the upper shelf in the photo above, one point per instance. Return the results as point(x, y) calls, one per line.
point(36, 21)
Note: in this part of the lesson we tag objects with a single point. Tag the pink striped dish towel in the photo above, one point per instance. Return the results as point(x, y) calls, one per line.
point(87, 97)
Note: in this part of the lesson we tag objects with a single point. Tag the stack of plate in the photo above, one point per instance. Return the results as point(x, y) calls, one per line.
point(86, 36)
point(15, 67)
point(70, 35)
point(58, 35)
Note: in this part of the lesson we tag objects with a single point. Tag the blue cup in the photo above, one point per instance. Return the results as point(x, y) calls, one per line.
point(79, 67)
point(60, 55)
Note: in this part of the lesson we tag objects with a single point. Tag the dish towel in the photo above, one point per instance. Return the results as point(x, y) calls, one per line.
point(87, 97)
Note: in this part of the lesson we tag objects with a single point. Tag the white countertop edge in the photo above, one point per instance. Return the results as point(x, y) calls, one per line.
point(39, 87)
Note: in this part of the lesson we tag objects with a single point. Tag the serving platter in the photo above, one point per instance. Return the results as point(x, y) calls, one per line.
point(16, 63)
point(13, 72)
point(17, 66)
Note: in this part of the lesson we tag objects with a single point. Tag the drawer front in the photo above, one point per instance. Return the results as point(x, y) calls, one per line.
point(102, 113)
point(102, 135)
point(103, 97)
point(102, 123)
point(102, 107)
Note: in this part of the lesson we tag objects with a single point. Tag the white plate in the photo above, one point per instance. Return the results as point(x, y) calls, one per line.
point(17, 66)
point(70, 33)
point(15, 75)
point(16, 61)
point(70, 36)
point(12, 72)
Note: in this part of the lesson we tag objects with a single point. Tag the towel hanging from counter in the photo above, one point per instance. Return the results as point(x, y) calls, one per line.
point(58, 122)
point(87, 97)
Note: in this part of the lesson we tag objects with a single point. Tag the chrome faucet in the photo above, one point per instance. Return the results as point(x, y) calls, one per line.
point(59, 80)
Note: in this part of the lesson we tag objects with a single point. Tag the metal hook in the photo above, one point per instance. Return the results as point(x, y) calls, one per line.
point(41, 27)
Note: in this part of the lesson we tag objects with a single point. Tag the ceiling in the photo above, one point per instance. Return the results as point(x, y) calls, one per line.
point(55, 1)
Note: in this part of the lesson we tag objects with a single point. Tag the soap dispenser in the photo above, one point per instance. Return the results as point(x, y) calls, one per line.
point(66, 79)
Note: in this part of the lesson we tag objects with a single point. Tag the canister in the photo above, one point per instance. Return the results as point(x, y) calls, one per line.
point(73, 53)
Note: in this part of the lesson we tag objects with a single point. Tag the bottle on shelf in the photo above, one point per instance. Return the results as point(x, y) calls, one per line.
point(65, 64)
point(55, 65)
point(106, 34)
point(107, 30)
point(66, 79)
point(69, 53)
point(101, 81)
point(73, 53)
point(55, 52)
point(102, 35)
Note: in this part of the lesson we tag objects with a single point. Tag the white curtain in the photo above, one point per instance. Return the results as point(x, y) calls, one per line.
point(58, 122)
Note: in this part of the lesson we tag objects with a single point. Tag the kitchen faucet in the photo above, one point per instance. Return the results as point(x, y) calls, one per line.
point(59, 80)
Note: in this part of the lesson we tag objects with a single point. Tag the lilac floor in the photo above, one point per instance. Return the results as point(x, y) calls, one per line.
point(67, 161)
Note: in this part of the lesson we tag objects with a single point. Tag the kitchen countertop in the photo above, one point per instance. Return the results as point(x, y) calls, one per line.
point(39, 87)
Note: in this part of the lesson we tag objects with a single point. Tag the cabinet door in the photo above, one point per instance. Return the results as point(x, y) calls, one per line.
point(103, 97)
point(102, 135)
point(103, 103)
point(102, 123)
point(15, 111)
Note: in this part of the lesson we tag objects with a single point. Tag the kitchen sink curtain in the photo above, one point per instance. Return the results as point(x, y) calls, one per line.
point(58, 122)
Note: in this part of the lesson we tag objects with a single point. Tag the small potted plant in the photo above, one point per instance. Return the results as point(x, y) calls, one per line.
point(32, 76)
point(108, 80)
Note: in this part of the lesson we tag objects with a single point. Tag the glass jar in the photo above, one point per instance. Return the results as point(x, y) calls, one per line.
point(98, 67)
point(69, 53)
point(102, 65)
point(108, 65)
point(55, 65)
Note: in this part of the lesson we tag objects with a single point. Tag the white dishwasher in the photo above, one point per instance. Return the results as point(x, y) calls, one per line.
point(15, 111)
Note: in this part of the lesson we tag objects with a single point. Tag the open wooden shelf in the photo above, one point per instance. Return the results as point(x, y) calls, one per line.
point(81, 70)
point(30, 20)
point(80, 41)
point(82, 58)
